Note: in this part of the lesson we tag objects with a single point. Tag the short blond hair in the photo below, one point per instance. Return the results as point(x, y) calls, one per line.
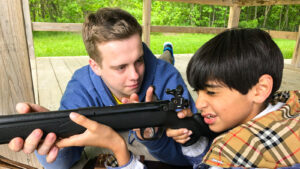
point(105, 25)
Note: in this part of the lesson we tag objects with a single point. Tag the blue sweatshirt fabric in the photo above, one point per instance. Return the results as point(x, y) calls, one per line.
point(86, 89)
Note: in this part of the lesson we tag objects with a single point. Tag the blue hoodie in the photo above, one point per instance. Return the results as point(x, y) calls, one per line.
point(86, 89)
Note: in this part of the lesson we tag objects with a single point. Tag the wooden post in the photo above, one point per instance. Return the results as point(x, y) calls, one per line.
point(146, 21)
point(29, 37)
point(296, 54)
point(234, 16)
point(15, 74)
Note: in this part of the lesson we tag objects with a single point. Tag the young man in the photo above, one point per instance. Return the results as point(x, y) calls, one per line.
point(119, 66)
point(236, 75)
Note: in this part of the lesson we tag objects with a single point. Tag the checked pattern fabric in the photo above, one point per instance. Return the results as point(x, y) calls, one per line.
point(271, 141)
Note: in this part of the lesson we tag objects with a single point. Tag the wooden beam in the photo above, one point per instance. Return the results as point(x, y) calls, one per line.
point(29, 37)
point(239, 2)
point(186, 29)
point(146, 21)
point(283, 34)
point(15, 74)
point(76, 27)
point(296, 54)
point(205, 2)
point(48, 26)
point(266, 2)
point(234, 16)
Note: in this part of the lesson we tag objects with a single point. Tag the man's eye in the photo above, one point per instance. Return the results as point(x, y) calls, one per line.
point(121, 67)
point(141, 59)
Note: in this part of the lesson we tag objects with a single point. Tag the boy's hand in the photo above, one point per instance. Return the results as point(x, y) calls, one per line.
point(181, 135)
point(34, 140)
point(97, 135)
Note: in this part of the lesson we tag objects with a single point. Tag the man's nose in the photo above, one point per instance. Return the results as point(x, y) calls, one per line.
point(134, 73)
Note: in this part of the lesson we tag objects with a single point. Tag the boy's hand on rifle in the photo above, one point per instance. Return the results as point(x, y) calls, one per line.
point(34, 140)
point(97, 135)
point(181, 135)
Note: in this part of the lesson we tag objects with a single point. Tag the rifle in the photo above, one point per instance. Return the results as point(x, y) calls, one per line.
point(123, 117)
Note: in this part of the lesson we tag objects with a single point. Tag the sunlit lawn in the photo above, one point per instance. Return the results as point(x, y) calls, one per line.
point(70, 44)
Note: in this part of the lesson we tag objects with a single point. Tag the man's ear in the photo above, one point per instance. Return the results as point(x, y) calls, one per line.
point(95, 67)
point(263, 88)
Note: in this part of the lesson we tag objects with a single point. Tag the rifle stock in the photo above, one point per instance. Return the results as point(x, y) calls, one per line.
point(120, 117)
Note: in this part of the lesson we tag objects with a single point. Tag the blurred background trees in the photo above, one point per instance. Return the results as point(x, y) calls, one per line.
point(278, 17)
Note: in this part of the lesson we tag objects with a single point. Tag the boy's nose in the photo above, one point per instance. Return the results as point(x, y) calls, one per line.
point(201, 102)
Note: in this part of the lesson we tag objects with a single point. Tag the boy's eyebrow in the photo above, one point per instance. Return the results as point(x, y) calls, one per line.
point(213, 85)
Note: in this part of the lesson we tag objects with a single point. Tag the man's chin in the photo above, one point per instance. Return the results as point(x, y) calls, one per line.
point(133, 90)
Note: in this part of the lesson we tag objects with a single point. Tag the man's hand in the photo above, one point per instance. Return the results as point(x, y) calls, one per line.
point(181, 135)
point(34, 140)
point(97, 135)
point(134, 98)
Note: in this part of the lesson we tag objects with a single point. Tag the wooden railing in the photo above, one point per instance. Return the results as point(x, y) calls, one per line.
point(233, 21)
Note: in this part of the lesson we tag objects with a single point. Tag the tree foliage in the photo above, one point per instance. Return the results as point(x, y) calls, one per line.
point(276, 17)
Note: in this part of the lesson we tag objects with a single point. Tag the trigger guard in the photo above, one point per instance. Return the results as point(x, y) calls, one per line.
point(155, 135)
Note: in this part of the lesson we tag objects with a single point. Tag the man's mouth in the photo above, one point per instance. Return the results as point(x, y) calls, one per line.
point(134, 86)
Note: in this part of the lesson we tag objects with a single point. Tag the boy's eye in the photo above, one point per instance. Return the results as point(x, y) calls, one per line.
point(210, 92)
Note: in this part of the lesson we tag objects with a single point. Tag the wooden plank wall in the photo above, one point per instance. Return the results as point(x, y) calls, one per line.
point(15, 73)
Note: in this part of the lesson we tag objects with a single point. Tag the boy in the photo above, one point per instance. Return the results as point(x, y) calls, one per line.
point(119, 66)
point(236, 75)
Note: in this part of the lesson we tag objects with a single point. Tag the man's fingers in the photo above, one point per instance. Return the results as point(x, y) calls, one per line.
point(149, 94)
point(23, 108)
point(51, 157)
point(47, 144)
point(29, 107)
point(16, 144)
point(37, 108)
point(184, 113)
point(134, 98)
point(32, 141)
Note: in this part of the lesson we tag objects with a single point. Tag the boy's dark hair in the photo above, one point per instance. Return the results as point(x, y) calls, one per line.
point(236, 58)
point(105, 25)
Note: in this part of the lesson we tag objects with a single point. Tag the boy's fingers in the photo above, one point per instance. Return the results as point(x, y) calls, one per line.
point(178, 132)
point(83, 121)
point(149, 94)
point(67, 142)
point(182, 141)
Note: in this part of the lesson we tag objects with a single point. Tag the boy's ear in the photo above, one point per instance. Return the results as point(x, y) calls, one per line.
point(263, 88)
point(95, 67)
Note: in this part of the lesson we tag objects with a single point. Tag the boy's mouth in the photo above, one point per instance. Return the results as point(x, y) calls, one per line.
point(209, 118)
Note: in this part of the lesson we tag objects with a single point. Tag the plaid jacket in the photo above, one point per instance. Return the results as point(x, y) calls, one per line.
point(271, 141)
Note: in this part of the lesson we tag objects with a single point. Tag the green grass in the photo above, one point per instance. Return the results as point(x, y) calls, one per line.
point(70, 44)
